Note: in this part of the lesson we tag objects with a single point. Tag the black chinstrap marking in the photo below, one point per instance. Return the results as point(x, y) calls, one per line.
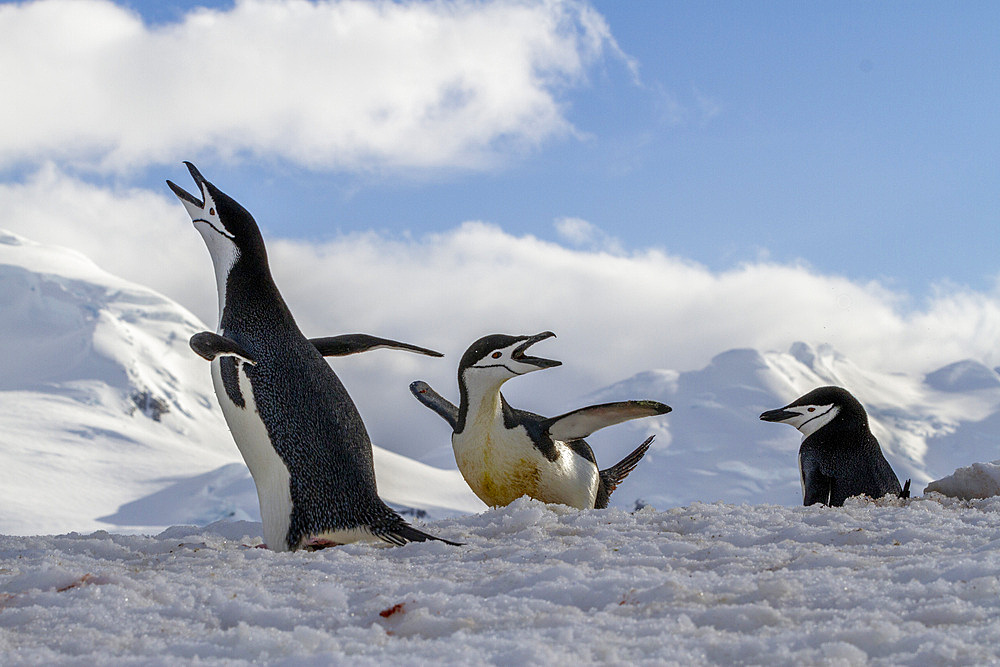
point(817, 416)
point(220, 232)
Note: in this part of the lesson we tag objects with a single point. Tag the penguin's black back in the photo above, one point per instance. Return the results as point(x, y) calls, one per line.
point(310, 418)
point(850, 456)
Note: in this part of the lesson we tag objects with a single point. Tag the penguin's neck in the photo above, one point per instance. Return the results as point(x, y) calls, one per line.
point(480, 403)
point(839, 431)
point(249, 298)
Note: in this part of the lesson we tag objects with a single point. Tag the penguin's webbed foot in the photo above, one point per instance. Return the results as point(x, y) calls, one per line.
point(317, 543)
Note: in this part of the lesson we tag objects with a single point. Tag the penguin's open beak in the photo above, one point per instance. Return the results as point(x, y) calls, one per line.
point(519, 355)
point(779, 415)
point(187, 198)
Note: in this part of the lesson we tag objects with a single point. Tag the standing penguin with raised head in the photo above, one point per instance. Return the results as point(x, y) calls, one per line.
point(293, 421)
point(839, 457)
point(505, 453)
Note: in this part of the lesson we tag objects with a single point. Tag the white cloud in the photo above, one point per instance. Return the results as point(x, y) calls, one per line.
point(614, 314)
point(583, 234)
point(338, 84)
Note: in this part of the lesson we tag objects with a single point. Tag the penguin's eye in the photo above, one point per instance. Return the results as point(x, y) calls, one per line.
point(497, 355)
point(211, 211)
point(811, 409)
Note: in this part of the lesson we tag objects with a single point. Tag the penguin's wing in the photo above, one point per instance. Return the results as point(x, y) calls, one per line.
point(581, 423)
point(435, 402)
point(817, 487)
point(210, 345)
point(341, 346)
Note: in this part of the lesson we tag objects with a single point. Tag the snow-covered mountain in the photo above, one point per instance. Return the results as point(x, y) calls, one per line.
point(108, 420)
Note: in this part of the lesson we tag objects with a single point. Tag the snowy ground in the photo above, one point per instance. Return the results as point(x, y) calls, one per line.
point(885, 583)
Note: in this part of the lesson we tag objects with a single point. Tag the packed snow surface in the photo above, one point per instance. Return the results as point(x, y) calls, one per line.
point(887, 583)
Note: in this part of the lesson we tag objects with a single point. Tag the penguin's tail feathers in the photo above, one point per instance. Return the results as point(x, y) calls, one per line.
point(905, 493)
point(402, 532)
point(617, 473)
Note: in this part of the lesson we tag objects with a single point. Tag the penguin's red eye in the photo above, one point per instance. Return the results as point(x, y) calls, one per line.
point(497, 355)
point(812, 409)
point(211, 211)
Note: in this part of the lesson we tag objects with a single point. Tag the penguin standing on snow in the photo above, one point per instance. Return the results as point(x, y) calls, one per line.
point(839, 456)
point(505, 453)
point(293, 421)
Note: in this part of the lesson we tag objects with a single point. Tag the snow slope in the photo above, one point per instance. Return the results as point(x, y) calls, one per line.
point(107, 419)
point(879, 584)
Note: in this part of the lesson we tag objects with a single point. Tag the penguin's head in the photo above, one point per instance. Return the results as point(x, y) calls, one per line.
point(496, 358)
point(818, 408)
point(229, 230)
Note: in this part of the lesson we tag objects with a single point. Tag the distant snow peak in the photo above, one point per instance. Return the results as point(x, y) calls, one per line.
point(965, 375)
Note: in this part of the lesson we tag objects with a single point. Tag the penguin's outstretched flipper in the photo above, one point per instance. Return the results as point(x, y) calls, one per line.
point(341, 346)
point(905, 493)
point(616, 474)
point(435, 402)
point(581, 423)
point(208, 345)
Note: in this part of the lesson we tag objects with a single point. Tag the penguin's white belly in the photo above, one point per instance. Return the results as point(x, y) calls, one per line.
point(270, 474)
point(501, 465)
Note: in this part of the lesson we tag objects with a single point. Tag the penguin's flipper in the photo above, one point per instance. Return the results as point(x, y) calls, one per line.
point(208, 345)
point(435, 402)
point(341, 346)
point(403, 532)
point(581, 423)
point(816, 486)
point(905, 493)
point(616, 474)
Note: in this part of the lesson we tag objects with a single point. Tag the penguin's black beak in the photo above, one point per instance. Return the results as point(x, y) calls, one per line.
point(519, 355)
point(185, 196)
point(779, 415)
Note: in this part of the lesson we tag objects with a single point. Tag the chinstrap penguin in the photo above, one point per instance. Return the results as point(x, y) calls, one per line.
point(839, 457)
point(505, 453)
point(293, 421)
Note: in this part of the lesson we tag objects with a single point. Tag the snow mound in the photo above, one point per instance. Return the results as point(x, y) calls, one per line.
point(980, 480)
point(880, 583)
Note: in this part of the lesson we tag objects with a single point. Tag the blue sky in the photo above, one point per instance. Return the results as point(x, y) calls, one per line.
point(860, 137)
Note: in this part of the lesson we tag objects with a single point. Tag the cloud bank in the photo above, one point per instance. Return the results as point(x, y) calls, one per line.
point(615, 313)
point(367, 84)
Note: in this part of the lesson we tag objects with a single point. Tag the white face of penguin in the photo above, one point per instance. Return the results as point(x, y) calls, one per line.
point(499, 365)
point(810, 418)
point(221, 244)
